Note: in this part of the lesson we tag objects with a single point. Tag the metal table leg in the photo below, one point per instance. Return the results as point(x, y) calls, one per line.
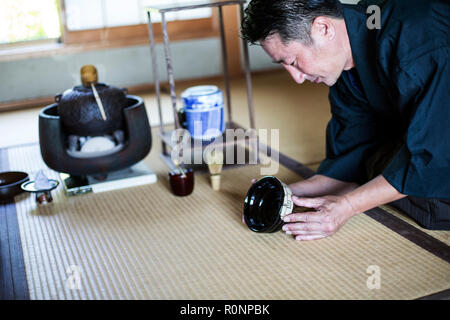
point(248, 77)
point(170, 70)
point(156, 76)
point(225, 64)
point(155, 69)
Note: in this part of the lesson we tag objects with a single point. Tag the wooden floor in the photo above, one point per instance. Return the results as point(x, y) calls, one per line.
point(300, 112)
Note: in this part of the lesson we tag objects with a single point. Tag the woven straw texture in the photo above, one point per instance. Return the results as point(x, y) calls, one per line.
point(145, 243)
point(443, 236)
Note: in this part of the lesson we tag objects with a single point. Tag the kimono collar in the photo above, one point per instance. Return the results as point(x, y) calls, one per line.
point(362, 43)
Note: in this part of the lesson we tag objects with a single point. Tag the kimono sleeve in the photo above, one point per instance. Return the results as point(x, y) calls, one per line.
point(422, 166)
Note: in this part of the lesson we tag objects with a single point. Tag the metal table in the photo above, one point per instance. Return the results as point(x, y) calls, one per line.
point(163, 10)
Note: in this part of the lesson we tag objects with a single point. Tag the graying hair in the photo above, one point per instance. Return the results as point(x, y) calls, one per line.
point(291, 19)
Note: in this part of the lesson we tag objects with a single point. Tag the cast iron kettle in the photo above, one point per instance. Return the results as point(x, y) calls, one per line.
point(79, 111)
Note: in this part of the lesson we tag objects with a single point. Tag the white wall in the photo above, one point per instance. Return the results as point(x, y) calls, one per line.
point(123, 67)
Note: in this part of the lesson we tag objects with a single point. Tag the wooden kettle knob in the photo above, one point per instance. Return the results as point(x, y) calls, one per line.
point(88, 75)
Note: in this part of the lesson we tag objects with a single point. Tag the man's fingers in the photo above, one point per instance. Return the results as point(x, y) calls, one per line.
point(303, 227)
point(310, 237)
point(310, 216)
point(308, 202)
point(253, 181)
point(303, 232)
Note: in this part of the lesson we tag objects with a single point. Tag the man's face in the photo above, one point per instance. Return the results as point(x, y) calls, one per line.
point(318, 63)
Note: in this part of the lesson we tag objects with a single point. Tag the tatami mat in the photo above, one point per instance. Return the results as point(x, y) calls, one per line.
point(441, 235)
point(145, 243)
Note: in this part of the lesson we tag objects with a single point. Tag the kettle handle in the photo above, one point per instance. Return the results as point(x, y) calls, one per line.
point(58, 97)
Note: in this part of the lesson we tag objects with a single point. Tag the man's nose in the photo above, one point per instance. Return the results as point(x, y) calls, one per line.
point(296, 74)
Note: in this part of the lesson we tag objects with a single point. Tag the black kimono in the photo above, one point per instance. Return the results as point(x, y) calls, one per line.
point(397, 95)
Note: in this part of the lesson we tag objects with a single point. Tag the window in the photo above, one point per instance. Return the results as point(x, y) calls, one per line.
point(28, 20)
point(96, 14)
point(94, 21)
point(109, 21)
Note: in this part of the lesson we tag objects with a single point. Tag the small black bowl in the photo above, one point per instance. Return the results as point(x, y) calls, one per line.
point(10, 182)
point(267, 202)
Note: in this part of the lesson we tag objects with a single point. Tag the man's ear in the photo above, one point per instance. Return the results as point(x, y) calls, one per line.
point(323, 28)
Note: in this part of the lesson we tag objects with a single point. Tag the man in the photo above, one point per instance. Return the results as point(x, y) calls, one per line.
point(389, 136)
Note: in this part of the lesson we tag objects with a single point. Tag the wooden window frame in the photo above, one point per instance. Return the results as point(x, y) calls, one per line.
point(137, 34)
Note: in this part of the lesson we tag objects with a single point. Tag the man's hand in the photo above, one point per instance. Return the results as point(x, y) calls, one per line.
point(331, 213)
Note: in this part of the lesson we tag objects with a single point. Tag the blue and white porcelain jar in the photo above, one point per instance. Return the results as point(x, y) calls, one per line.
point(204, 110)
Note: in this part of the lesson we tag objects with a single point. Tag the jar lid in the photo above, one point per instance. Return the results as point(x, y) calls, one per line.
point(199, 91)
point(267, 202)
point(202, 97)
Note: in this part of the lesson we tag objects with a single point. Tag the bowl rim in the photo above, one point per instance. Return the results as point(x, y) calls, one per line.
point(247, 207)
point(29, 186)
point(17, 182)
point(285, 208)
point(174, 172)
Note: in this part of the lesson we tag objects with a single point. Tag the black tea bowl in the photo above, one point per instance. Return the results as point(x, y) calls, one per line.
point(267, 202)
point(10, 182)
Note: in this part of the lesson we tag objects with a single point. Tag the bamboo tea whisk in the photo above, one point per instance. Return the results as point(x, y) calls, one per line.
point(214, 159)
